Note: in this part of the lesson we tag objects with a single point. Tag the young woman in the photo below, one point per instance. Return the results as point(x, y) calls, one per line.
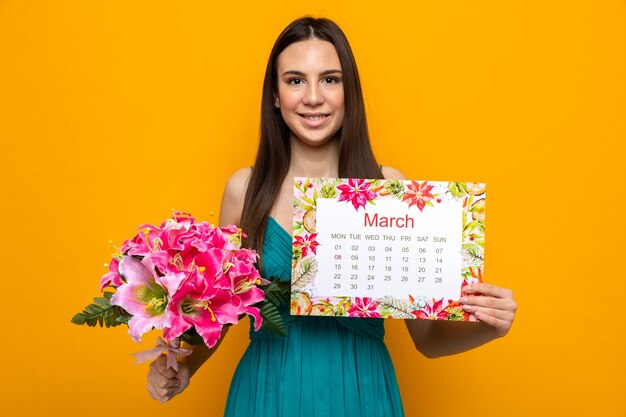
point(313, 124)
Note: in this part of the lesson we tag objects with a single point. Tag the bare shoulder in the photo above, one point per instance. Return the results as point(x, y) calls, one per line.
point(239, 179)
point(234, 195)
point(391, 173)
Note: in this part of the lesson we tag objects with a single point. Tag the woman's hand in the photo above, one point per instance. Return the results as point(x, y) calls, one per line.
point(165, 383)
point(491, 305)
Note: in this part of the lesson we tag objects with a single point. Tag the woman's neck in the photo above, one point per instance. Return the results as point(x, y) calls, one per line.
point(314, 161)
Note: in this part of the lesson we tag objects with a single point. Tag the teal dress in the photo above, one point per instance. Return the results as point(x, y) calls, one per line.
point(326, 366)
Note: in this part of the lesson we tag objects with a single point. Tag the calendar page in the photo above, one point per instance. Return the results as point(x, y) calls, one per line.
point(386, 248)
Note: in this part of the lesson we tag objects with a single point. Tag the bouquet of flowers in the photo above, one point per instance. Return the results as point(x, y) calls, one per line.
point(187, 278)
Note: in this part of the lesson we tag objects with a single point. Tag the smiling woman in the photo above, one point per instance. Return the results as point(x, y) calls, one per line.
point(313, 125)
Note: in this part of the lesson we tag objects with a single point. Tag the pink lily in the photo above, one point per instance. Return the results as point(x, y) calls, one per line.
point(147, 240)
point(245, 278)
point(199, 305)
point(112, 277)
point(145, 295)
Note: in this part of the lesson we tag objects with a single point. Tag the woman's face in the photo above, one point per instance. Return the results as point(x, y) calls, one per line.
point(310, 90)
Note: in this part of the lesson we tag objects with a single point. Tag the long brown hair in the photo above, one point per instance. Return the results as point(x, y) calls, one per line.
point(356, 159)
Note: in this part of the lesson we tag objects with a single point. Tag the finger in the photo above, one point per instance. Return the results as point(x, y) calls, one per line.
point(503, 315)
point(162, 394)
point(157, 393)
point(506, 304)
point(501, 326)
point(160, 366)
point(167, 383)
point(488, 289)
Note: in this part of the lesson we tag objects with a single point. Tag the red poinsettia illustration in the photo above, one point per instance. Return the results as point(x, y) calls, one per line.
point(364, 307)
point(435, 310)
point(419, 194)
point(356, 191)
point(306, 243)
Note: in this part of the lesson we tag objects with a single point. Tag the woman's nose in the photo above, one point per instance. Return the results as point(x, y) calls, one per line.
point(313, 95)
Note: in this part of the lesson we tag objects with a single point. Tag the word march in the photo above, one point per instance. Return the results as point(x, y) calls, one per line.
point(384, 221)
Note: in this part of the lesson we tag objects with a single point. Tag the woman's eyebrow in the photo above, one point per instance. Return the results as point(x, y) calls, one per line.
point(293, 72)
point(330, 71)
point(301, 74)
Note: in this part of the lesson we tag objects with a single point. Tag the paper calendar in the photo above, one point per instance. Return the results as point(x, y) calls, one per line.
point(386, 248)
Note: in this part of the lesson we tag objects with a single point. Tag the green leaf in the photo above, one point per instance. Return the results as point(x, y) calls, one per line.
point(471, 226)
point(101, 312)
point(343, 305)
point(395, 188)
point(277, 293)
point(328, 191)
point(272, 320)
point(396, 308)
point(457, 189)
point(473, 254)
point(304, 274)
point(298, 186)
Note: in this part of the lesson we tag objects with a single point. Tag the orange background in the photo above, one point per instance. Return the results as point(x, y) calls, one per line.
point(113, 113)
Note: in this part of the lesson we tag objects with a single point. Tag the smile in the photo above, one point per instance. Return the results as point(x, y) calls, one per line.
point(314, 120)
point(314, 117)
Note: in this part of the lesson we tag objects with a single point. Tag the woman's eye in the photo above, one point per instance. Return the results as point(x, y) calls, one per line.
point(294, 81)
point(331, 80)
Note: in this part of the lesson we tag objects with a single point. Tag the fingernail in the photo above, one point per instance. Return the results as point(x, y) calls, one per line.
point(463, 300)
point(467, 307)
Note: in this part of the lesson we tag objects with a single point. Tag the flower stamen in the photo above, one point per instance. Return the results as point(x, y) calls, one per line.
point(177, 262)
point(156, 304)
point(206, 306)
point(245, 285)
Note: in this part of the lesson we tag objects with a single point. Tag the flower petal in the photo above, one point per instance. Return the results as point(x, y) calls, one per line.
point(210, 332)
point(133, 270)
point(178, 325)
point(137, 326)
point(256, 317)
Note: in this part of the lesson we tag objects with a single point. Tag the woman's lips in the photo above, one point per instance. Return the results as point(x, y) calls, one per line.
point(314, 119)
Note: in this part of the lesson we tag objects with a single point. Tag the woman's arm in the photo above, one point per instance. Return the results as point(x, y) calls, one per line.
point(164, 383)
point(233, 197)
point(495, 308)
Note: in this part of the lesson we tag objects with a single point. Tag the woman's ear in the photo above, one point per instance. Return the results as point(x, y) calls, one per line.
point(276, 102)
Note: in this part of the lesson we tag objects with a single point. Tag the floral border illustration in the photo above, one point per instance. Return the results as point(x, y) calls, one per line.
point(360, 193)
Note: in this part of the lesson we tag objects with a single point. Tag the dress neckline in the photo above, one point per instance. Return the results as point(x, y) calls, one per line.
point(280, 227)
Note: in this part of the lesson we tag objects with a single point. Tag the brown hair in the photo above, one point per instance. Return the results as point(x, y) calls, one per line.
point(356, 158)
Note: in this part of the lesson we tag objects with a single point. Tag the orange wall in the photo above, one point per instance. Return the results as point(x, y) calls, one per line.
point(112, 113)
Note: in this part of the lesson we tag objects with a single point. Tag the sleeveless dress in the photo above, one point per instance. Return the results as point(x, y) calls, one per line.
point(326, 366)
